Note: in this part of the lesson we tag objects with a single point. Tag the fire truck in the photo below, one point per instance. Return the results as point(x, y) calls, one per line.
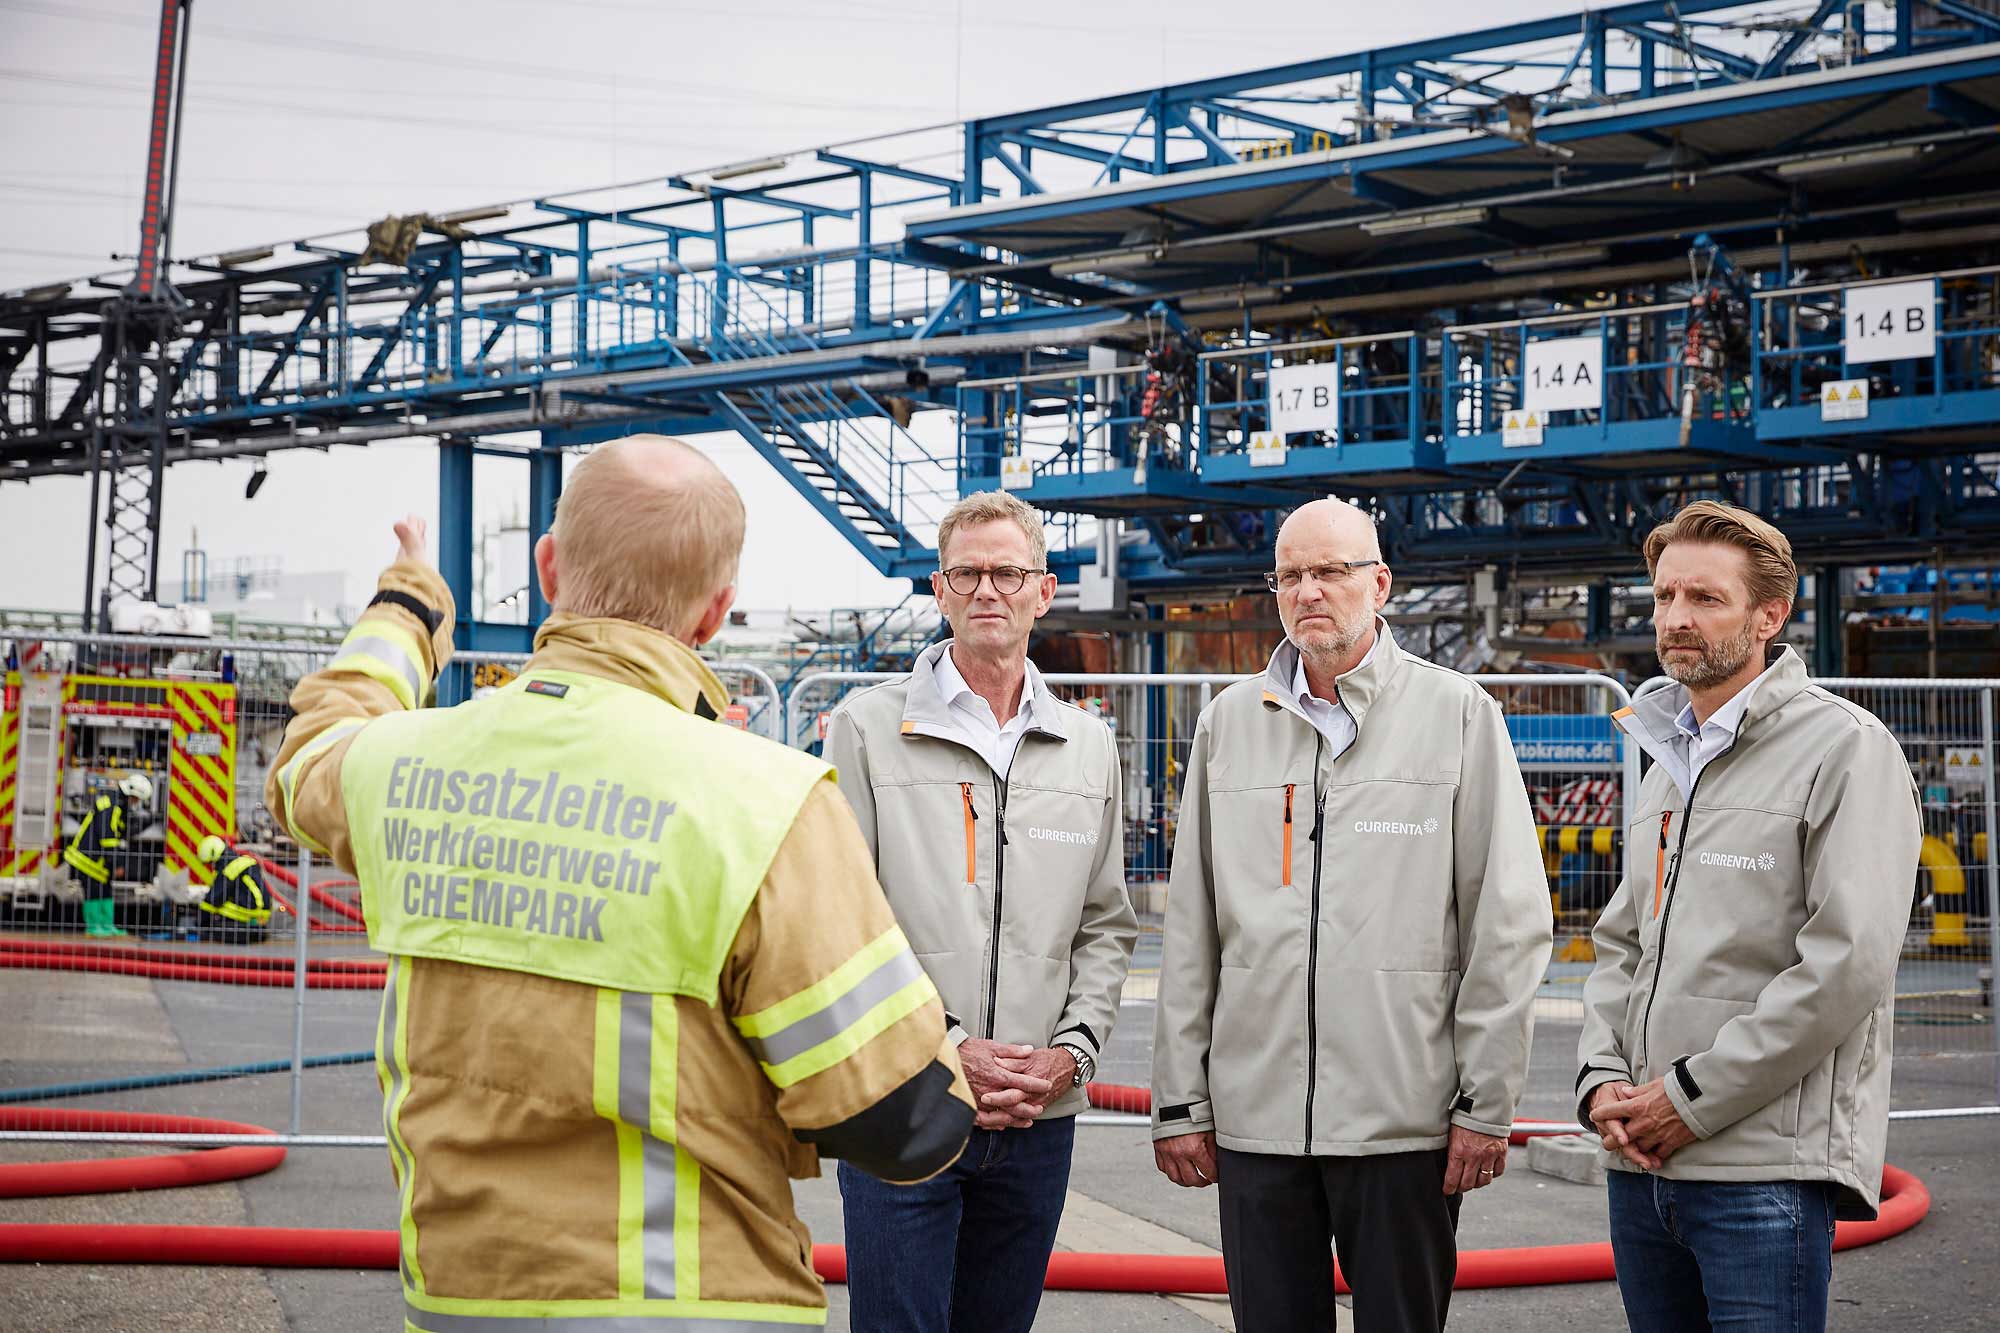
point(76, 718)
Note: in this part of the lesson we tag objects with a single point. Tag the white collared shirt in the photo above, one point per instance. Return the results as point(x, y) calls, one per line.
point(1330, 720)
point(1695, 744)
point(972, 717)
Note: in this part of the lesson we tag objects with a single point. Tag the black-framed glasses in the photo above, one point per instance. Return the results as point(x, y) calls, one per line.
point(1007, 579)
point(1330, 575)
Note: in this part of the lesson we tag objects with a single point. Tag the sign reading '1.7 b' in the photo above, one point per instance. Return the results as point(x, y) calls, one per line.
point(1563, 375)
point(1305, 398)
point(1890, 321)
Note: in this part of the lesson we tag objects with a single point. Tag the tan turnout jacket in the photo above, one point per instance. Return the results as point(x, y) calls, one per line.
point(511, 1170)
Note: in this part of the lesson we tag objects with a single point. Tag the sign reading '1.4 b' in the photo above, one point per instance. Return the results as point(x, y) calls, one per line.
point(1890, 321)
point(1563, 374)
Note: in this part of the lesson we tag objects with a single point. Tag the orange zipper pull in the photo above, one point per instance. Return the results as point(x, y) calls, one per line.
point(971, 852)
point(1286, 852)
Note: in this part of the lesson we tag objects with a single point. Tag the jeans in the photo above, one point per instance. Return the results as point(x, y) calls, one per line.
point(1748, 1257)
point(965, 1251)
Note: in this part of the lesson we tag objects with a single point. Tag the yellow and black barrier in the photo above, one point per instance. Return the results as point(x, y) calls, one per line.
point(1580, 839)
point(1939, 856)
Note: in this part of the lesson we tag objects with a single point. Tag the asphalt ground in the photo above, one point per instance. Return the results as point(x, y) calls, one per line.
point(59, 1027)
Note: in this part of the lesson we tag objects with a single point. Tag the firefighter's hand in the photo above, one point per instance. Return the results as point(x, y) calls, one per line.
point(410, 531)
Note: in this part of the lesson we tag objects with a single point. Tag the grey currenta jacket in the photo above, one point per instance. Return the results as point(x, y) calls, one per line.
point(1749, 956)
point(1353, 940)
point(1012, 892)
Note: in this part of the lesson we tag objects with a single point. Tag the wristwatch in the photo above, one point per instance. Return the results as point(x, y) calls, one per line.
point(1086, 1068)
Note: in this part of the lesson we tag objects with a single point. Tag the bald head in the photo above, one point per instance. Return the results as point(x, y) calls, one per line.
point(647, 530)
point(1332, 530)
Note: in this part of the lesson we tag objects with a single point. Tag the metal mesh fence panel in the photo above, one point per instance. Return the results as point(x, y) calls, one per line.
point(271, 1022)
point(131, 800)
point(250, 996)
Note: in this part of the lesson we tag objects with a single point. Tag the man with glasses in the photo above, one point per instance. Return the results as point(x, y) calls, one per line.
point(993, 811)
point(1357, 922)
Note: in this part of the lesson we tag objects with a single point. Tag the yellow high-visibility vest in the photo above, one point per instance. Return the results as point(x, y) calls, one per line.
point(576, 828)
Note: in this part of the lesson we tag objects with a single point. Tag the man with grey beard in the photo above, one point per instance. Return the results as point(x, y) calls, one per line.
point(1357, 921)
point(1740, 1079)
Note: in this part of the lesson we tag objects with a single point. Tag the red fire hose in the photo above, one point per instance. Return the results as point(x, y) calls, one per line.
point(276, 962)
point(35, 1180)
point(1905, 1202)
point(316, 978)
point(356, 922)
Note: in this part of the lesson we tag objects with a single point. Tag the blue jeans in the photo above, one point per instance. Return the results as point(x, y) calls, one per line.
point(1749, 1257)
point(966, 1250)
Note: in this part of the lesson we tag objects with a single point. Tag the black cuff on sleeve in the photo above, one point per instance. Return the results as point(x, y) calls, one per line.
point(912, 1134)
point(1083, 1028)
point(431, 618)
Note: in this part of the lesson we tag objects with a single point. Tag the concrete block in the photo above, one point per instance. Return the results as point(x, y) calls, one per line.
point(1578, 1158)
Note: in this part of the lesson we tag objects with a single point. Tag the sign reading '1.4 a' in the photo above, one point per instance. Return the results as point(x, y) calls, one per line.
point(1890, 321)
point(1563, 375)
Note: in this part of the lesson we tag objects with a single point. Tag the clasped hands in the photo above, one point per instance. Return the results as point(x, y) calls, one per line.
point(1639, 1124)
point(1013, 1084)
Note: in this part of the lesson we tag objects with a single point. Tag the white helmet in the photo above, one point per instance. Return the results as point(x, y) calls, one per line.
point(138, 786)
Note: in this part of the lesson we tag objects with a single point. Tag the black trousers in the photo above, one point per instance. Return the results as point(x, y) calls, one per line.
point(1395, 1229)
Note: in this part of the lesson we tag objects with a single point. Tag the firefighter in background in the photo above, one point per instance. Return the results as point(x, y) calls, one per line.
point(99, 848)
point(235, 893)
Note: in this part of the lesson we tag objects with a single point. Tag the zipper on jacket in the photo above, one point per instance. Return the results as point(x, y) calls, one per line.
point(1285, 876)
point(1673, 879)
point(971, 843)
point(999, 887)
point(1659, 861)
point(1312, 940)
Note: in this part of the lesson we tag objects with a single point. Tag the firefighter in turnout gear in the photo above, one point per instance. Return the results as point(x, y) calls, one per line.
point(98, 850)
point(641, 974)
point(236, 895)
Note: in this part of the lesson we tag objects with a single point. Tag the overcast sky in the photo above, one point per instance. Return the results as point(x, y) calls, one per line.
point(310, 118)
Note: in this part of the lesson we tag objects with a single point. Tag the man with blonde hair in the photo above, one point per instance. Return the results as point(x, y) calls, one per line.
point(992, 808)
point(1740, 1077)
point(641, 972)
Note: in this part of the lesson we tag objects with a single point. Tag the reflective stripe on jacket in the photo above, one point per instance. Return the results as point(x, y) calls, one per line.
point(237, 893)
point(637, 958)
point(103, 830)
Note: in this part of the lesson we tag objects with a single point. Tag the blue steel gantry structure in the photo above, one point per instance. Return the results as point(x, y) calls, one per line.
point(1103, 305)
